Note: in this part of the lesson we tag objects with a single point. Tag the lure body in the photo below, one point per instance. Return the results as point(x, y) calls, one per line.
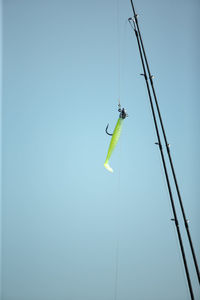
point(113, 142)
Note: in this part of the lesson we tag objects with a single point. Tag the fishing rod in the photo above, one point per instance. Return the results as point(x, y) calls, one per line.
point(186, 221)
point(175, 218)
point(145, 65)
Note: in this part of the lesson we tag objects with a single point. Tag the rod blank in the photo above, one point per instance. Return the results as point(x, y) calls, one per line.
point(148, 76)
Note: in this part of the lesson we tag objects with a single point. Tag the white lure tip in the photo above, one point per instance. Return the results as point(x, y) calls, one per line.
point(106, 165)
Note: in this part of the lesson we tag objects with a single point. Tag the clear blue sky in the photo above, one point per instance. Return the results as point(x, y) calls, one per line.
point(63, 213)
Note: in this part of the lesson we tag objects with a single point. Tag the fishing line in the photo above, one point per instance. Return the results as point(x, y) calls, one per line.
point(123, 59)
point(118, 198)
point(118, 225)
point(119, 51)
point(116, 266)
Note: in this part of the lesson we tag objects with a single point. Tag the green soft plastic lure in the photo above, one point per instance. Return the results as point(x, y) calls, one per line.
point(115, 136)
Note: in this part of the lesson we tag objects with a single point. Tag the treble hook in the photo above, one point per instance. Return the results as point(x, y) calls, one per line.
point(107, 130)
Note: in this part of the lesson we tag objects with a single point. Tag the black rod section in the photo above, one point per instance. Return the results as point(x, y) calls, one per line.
point(175, 219)
point(168, 148)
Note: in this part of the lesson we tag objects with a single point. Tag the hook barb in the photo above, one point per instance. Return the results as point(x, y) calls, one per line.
point(107, 130)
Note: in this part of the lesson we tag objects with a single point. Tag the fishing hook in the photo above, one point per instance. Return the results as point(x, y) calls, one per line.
point(107, 130)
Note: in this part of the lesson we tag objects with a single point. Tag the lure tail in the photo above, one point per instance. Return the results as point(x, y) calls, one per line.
point(106, 165)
